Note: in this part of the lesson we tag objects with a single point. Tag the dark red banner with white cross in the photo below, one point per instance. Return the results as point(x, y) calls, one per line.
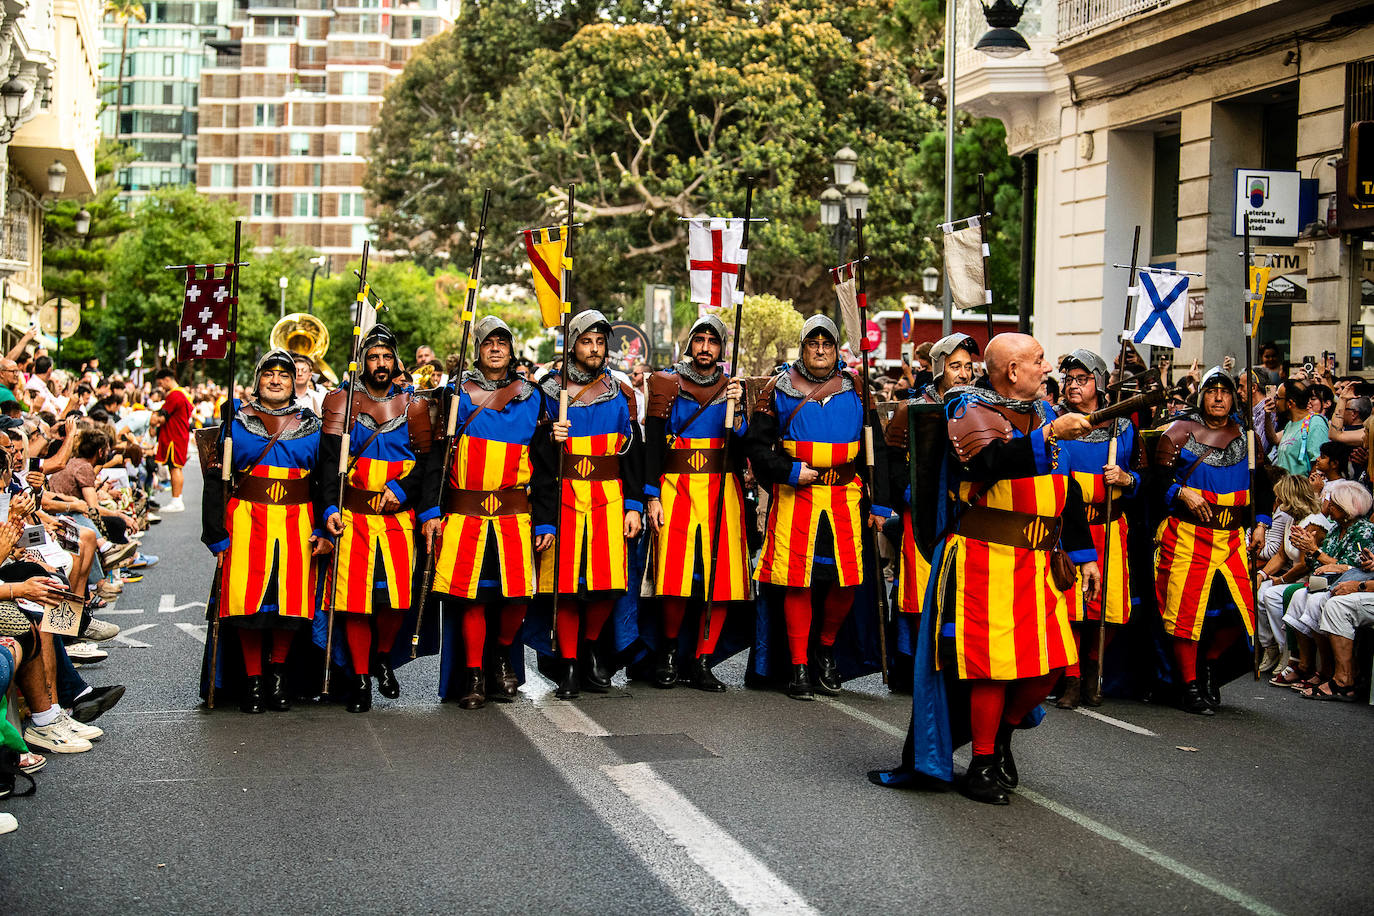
point(205, 330)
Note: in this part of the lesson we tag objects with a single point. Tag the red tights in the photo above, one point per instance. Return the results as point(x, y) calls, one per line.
point(796, 609)
point(593, 617)
point(251, 642)
point(675, 609)
point(993, 702)
point(1185, 651)
point(475, 630)
point(358, 629)
point(1085, 634)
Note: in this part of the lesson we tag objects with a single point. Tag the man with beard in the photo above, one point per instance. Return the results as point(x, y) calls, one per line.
point(1002, 635)
point(484, 560)
point(1085, 387)
point(389, 442)
point(597, 506)
point(266, 534)
point(803, 441)
point(684, 439)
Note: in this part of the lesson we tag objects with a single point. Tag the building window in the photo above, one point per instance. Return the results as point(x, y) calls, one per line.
point(1164, 205)
point(279, 56)
point(300, 144)
point(348, 144)
point(169, 65)
point(417, 28)
point(266, 115)
point(359, 235)
point(221, 175)
point(262, 204)
point(354, 84)
point(306, 204)
point(351, 205)
point(264, 175)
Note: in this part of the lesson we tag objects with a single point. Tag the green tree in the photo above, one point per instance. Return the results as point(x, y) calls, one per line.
point(769, 328)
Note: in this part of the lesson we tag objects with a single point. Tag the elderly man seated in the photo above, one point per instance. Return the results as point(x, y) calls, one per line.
point(1351, 606)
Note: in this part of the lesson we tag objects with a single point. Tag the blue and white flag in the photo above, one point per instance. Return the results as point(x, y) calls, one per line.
point(1160, 308)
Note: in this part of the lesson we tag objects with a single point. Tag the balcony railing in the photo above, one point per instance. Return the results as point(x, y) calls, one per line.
point(1079, 17)
point(14, 238)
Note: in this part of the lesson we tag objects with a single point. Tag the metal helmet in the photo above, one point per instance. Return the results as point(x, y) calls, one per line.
point(820, 324)
point(1217, 377)
point(381, 336)
point(943, 348)
point(1090, 362)
point(276, 358)
point(488, 325)
point(585, 321)
point(711, 324)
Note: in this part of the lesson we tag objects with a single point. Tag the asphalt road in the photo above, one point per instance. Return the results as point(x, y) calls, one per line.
point(650, 801)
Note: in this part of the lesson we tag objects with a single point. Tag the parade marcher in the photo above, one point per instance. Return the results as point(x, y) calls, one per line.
point(390, 433)
point(803, 442)
point(596, 508)
point(1003, 572)
point(1085, 390)
point(265, 529)
point(307, 392)
point(952, 358)
point(684, 439)
point(484, 559)
point(1205, 482)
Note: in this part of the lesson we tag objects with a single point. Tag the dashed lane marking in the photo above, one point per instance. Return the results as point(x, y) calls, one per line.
point(1220, 888)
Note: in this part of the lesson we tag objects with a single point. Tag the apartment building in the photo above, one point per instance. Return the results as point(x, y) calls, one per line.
point(154, 107)
point(1149, 114)
point(288, 105)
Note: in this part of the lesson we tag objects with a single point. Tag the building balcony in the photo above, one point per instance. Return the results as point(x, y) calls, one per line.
point(1079, 17)
point(15, 243)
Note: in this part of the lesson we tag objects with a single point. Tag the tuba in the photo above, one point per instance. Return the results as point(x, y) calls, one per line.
point(305, 334)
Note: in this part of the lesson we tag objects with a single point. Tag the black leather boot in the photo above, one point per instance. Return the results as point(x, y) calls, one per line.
point(475, 693)
point(567, 684)
point(1194, 701)
point(981, 782)
point(276, 689)
point(251, 702)
point(1211, 687)
point(387, 685)
point(594, 671)
point(827, 675)
point(1006, 774)
point(1071, 694)
point(799, 688)
point(502, 684)
point(665, 672)
point(703, 678)
point(361, 698)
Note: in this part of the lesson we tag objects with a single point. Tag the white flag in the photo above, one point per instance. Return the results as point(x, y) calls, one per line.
point(715, 258)
point(964, 266)
point(1161, 303)
point(136, 356)
point(846, 291)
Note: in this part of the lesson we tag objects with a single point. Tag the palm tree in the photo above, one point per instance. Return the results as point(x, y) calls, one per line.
point(123, 11)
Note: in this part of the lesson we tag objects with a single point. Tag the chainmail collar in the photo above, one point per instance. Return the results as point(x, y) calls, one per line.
point(815, 379)
point(1098, 433)
point(609, 392)
point(685, 369)
point(991, 398)
point(309, 423)
point(579, 376)
point(486, 384)
point(786, 387)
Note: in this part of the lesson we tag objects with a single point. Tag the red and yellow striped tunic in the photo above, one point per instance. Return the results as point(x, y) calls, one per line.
point(591, 526)
point(797, 513)
point(486, 464)
point(365, 537)
point(1118, 590)
point(689, 502)
point(258, 533)
point(1188, 557)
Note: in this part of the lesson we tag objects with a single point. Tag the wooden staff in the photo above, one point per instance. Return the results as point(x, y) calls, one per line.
point(1247, 416)
point(565, 287)
point(469, 311)
point(984, 215)
point(726, 474)
point(343, 454)
point(870, 543)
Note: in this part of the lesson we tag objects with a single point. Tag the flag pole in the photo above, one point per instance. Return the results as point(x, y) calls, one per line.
point(565, 287)
point(343, 455)
point(726, 473)
point(987, 282)
point(1247, 416)
point(469, 312)
point(870, 543)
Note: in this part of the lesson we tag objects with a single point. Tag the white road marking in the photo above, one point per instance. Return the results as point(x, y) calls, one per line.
point(114, 611)
point(1207, 882)
point(1119, 723)
point(134, 643)
point(749, 882)
point(166, 604)
point(196, 630)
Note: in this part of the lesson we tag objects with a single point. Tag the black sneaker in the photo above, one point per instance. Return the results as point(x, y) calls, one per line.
point(99, 700)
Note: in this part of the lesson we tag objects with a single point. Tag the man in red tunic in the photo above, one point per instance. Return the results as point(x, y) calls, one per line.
point(173, 424)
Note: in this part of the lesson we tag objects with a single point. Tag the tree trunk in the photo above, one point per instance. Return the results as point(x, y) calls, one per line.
point(119, 82)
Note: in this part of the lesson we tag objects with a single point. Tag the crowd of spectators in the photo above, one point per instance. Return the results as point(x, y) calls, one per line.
point(78, 482)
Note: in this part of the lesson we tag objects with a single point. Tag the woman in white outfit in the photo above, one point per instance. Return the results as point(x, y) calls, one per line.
point(1295, 506)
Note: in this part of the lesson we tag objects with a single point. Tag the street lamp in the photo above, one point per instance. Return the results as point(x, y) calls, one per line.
point(319, 262)
point(832, 205)
point(843, 199)
point(855, 198)
point(83, 222)
point(57, 178)
point(930, 281)
point(1002, 40)
point(282, 282)
point(844, 163)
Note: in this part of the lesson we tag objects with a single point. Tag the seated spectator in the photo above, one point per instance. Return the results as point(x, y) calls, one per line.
point(1296, 506)
point(1350, 607)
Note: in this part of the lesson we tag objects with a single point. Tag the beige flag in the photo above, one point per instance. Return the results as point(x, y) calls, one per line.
point(964, 266)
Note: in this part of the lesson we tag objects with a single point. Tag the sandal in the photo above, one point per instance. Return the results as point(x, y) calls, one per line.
point(1287, 677)
point(32, 763)
point(1330, 690)
point(1311, 683)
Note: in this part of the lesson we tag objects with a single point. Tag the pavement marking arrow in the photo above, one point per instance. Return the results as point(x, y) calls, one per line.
point(135, 643)
point(166, 604)
point(196, 630)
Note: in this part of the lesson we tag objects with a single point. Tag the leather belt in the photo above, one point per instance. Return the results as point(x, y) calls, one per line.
point(1012, 529)
point(512, 501)
point(592, 467)
point(365, 502)
point(1097, 512)
point(274, 491)
point(1224, 518)
point(837, 476)
point(694, 461)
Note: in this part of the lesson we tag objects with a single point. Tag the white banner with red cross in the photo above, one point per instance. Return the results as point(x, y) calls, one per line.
point(205, 330)
point(715, 257)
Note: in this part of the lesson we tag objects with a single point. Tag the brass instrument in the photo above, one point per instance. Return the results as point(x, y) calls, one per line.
point(300, 332)
point(425, 376)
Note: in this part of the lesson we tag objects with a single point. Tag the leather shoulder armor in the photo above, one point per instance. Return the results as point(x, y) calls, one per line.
point(332, 412)
point(273, 423)
point(420, 423)
point(630, 397)
point(663, 390)
point(1172, 440)
point(896, 432)
point(765, 401)
point(977, 426)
